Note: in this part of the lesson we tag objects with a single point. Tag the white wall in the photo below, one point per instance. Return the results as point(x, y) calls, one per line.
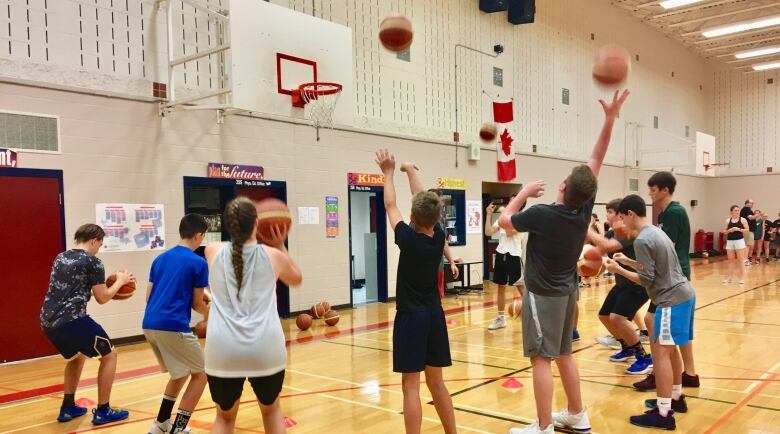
point(734, 190)
point(360, 222)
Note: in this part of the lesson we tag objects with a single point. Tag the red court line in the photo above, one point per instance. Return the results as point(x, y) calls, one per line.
point(56, 388)
point(729, 414)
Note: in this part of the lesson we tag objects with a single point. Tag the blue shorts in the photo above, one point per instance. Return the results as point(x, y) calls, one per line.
point(674, 325)
point(419, 340)
point(83, 336)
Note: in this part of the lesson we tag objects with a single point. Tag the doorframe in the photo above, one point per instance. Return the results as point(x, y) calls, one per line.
point(44, 173)
point(381, 239)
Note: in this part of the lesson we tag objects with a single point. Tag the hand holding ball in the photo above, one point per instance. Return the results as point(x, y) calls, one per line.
point(272, 214)
point(591, 262)
point(127, 289)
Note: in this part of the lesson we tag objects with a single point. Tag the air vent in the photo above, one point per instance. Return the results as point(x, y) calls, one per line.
point(633, 184)
point(29, 132)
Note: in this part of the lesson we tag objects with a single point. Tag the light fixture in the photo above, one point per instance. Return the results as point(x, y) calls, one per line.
point(742, 27)
point(766, 66)
point(757, 52)
point(671, 4)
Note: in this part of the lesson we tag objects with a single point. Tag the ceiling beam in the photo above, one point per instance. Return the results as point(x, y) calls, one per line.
point(692, 8)
point(725, 14)
point(741, 44)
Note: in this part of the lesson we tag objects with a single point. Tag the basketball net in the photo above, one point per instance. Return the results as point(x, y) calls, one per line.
point(320, 99)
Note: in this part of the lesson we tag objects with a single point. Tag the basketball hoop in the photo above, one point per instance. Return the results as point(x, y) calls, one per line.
point(707, 167)
point(318, 100)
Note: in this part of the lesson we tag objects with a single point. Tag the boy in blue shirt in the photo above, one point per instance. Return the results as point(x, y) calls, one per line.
point(177, 281)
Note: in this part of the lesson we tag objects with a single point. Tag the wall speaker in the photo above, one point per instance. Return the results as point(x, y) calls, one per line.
point(694, 202)
point(521, 11)
point(490, 6)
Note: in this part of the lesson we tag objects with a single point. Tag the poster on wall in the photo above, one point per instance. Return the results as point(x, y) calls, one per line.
point(308, 215)
point(473, 217)
point(131, 227)
point(331, 216)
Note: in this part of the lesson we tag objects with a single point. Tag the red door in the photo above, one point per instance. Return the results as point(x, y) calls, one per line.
point(31, 236)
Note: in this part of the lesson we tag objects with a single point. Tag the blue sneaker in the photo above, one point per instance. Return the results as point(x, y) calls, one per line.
point(623, 355)
point(575, 336)
point(67, 414)
point(653, 419)
point(641, 366)
point(107, 416)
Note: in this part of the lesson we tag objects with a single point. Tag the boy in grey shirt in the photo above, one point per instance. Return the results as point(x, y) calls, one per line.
point(659, 271)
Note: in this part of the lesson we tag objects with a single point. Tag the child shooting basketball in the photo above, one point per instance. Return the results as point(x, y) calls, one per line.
point(420, 341)
point(556, 234)
point(176, 284)
point(77, 275)
point(659, 271)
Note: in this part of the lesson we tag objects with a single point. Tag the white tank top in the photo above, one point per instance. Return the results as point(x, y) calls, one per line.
point(244, 337)
point(511, 244)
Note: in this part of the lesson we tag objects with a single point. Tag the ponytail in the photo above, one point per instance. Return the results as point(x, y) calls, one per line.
point(240, 217)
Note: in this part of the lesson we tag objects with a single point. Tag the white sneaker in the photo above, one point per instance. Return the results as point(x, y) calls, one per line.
point(577, 422)
point(533, 429)
point(608, 341)
point(741, 282)
point(727, 280)
point(160, 427)
point(498, 323)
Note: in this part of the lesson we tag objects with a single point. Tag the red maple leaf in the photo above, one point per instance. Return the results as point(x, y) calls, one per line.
point(506, 142)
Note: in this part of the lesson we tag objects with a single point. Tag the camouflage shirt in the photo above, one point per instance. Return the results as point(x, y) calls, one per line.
point(73, 275)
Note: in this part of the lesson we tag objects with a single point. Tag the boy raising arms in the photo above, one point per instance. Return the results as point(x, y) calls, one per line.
point(659, 271)
point(556, 234)
point(420, 341)
point(177, 281)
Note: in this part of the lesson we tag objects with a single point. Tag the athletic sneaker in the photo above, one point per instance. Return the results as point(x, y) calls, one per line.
point(653, 419)
point(741, 281)
point(678, 405)
point(67, 414)
point(642, 365)
point(727, 280)
point(575, 336)
point(646, 385)
point(690, 380)
point(102, 417)
point(577, 422)
point(160, 427)
point(498, 323)
point(608, 341)
point(623, 355)
point(533, 429)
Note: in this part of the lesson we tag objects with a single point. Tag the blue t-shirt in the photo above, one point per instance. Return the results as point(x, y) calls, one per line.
point(174, 275)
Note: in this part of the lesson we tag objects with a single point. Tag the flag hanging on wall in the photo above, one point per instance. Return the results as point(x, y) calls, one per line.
point(505, 162)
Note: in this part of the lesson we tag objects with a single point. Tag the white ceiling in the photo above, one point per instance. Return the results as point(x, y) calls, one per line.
point(686, 24)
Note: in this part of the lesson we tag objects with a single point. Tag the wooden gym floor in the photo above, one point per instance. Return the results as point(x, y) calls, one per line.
point(340, 379)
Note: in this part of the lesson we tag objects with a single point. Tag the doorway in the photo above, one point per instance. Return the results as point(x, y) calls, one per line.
point(499, 194)
point(367, 245)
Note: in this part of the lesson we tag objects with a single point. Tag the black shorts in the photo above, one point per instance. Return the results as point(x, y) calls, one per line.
point(83, 336)
point(624, 300)
point(507, 270)
point(419, 340)
point(226, 391)
point(651, 308)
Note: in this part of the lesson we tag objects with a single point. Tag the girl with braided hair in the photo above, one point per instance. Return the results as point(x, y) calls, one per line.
point(244, 339)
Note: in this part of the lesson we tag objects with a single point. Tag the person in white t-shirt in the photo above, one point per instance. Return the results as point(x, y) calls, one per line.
point(508, 266)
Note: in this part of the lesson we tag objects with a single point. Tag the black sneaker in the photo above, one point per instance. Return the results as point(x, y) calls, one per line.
point(653, 419)
point(690, 380)
point(646, 385)
point(678, 405)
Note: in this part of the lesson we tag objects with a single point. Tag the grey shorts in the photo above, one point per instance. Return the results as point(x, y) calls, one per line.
point(548, 324)
point(749, 238)
point(178, 353)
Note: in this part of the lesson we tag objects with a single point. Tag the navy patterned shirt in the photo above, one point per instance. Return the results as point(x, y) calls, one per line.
point(73, 275)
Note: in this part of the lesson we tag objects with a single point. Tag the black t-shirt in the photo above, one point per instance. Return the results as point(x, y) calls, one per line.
point(418, 265)
point(73, 275)
point(744, 213)
point(556, 234)
point(628, 250)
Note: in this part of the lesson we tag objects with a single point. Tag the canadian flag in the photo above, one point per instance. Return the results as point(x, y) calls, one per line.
point(505, 158)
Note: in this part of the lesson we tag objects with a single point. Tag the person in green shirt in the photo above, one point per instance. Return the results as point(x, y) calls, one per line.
point(673, 220)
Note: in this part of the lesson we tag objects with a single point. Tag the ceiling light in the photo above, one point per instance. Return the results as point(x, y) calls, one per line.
point(671, 4)
point(757, 52)
point(766, 66)
point(742, 27)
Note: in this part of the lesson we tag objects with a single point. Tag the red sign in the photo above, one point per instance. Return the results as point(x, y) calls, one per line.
point(365, 179)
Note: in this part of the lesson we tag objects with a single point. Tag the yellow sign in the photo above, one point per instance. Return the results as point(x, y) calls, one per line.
point(451, 183)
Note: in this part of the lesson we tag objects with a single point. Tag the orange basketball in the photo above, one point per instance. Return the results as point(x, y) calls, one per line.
point(200, 329)
point(318, 310)
point(488, 132)
point(271, 212)
point(303, 321)
point(591, 262)
point(611, 64)
point(125, 292)
point(395, 33)
point(331, 317)
point(515, 308)
point(620, 230)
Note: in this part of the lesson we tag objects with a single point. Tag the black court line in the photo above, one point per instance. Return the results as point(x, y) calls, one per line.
point(738, 294)
point(737, 322)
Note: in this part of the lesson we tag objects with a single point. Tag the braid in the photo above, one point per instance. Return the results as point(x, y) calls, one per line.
point(240, 216)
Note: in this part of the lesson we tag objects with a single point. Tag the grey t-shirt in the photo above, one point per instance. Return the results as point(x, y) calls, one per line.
point(659, 269)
